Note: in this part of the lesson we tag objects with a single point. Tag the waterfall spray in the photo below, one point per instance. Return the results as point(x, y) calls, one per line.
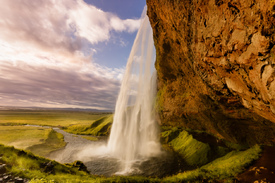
point(134, 134)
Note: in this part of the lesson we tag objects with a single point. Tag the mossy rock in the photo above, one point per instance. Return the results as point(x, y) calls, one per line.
point(192, 151)
point(170, 134)
point(190, 148)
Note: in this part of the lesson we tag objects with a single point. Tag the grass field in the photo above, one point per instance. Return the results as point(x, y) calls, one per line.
point(23, 137)
point(48, 117)
point(41, 140)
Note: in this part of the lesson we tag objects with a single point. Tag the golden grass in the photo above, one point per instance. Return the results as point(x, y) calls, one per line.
point(48, 117)
point(23, 137)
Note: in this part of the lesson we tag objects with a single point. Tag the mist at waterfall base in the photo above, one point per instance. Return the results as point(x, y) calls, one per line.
point(134, 146)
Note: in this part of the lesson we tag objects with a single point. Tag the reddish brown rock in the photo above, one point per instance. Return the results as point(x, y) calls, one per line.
point(215, 63)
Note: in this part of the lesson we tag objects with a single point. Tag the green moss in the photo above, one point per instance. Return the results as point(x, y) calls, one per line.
point(99, 127)
point(195, 153)
point(224, 168)
point(160, 98)
point(169, 134)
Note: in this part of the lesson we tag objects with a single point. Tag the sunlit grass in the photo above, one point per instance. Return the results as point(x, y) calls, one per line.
point(192, 151)
point(47, 117)
point(26, 165)
point(99, 127)
point(23, 137)
point(224, 168)
point(53, 142)
point(40, 141)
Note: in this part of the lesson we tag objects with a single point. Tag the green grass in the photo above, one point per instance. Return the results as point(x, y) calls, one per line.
point(100, 127)
point(27, 165)
point(37, 169)
point(40, 141)
point(23, 137)
point(211, 163)
point(192, 151)
point(223, 169)
point(54, 142)
point(47, 117)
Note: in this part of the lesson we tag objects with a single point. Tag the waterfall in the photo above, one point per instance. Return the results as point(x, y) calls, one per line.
point(134, 134)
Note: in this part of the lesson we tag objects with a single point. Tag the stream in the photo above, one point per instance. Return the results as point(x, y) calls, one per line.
point(94, 155)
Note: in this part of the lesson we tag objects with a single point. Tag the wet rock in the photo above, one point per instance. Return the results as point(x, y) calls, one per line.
point(80, 166)
point(48, 167)
point(3, 168)
point(18, 180)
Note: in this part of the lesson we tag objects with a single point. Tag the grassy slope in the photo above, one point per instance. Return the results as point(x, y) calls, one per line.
point(23, 137)
point(99, 127)
point(194, 152)
point(53, 142)
point(40, 141)
point(224, 168)
point(38, 169)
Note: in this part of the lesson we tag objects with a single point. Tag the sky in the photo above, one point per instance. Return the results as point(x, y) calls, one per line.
point(65, 53)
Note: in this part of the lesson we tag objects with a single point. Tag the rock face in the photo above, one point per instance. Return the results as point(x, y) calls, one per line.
point(216, 66)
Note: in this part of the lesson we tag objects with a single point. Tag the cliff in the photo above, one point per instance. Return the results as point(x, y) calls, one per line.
point(215, 64)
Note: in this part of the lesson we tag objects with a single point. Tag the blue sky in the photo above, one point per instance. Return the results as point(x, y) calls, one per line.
point(67, 53)
point(119, 47)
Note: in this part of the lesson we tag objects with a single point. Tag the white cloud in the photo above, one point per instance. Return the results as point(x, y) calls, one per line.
point(46, 48)
point(63, 26)
point(49, 86)
point(128, 25)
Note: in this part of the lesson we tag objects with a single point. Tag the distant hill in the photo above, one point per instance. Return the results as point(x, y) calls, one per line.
point(55, 109)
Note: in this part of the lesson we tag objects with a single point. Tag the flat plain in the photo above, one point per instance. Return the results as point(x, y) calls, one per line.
point(40, 139)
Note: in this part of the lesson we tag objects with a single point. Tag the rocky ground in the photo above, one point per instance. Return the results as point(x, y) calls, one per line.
point(263, 170)
point(6, 177)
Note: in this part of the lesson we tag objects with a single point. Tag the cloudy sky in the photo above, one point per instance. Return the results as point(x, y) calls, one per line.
point(65, 53)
